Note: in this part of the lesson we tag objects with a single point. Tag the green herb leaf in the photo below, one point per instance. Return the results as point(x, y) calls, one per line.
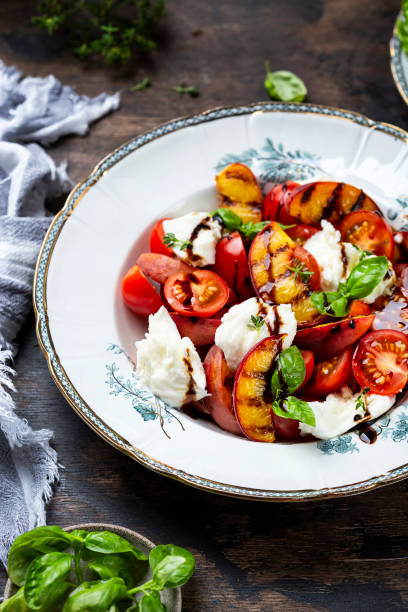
point(284, 85)
point(171, 241)
point(302, 271)
point(16, 603)
point(33, 544)
point(361, 402)
point(45, 577)
point(151, 603)
point(233, 223)
point(285, 227)
point(141, 85)
point(110, 543)
point(187, 89)
point(172, 566)
point(365, 276)
point(95, 596)
point(295, 408)
point(256, 323)
point(112, 567)
point(250, 230)
point(103, 28)
point(290, 372)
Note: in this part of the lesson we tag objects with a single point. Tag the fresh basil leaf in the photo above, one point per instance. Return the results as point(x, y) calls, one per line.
point(16, 603)
point(151, 603)
point(295, 408)
point(95, 596)
point(366, 275)
point(292, 368)
point(43, 575)
point(284, 85)
point(319, 301)
point(112, 566)
point(339, 307)
point(110, 543)
point(33, 544)
point(231, 221)
point(79, 533)
point(172, 566)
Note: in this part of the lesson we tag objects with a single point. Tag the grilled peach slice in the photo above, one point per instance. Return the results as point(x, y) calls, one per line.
point(220, 379)
point(252, 397)
point(327, 200)
point(271, 256)
point(239, 191)
point(200, 332)
point(160, 267)
point(331, 339)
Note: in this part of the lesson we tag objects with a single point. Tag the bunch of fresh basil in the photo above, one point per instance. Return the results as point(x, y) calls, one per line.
point(287, 377)
point(363, 279)
point(48, 565)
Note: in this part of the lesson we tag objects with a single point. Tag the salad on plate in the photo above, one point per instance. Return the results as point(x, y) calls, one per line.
point(281, 318)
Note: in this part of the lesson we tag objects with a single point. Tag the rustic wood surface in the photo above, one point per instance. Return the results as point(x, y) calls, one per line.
point(345, 554)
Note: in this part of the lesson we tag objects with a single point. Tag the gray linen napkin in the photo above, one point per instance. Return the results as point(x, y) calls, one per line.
point(42, 110)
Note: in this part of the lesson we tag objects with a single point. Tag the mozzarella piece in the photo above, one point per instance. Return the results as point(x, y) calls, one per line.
point(336, 260)
point(337, 414)
point(235, 337)
point(169, 365)
point(204, 239)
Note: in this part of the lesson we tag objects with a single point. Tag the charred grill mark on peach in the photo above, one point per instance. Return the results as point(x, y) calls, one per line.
point(333, 202)
point(307, 194)
point(359, 201)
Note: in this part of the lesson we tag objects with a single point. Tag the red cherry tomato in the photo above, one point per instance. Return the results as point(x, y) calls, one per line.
point(220, 382)
point(156, 240)
point(231, 262)
point(380, 361)
point(330, 375)
point(369, 231)
point(274, 203)
point(309, 360)
point(359, 308)
point(138, 294)
point(200, 293)
point(307, 263)
point(301, 233)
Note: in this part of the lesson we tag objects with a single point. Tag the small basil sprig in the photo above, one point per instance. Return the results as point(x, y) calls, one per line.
point(284, 85)
point(171, 240)
point(363, 279)
point(45, 572)
point(289, 374)
point(233, 223)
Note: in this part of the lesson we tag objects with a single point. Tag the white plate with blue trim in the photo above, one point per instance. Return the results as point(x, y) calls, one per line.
point(88, 335)
point(399, 63)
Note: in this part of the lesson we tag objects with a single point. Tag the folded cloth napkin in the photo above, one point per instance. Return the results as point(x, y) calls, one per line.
point(42, 110)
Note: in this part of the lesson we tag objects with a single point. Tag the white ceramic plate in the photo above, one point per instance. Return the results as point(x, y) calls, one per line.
point(88, 335)
point(399, 64)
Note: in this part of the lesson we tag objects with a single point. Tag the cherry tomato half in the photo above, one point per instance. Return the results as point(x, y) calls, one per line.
point(138, 294)
point(380, 361)
point(200, 293)
point(274, 203)
point(330, 375)
point(369, 231)
point(231, 262)
point(307, 264)
point(301, 233)
point(156, 240)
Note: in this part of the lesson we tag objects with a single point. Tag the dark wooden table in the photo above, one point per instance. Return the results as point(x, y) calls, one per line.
point(339, 555)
